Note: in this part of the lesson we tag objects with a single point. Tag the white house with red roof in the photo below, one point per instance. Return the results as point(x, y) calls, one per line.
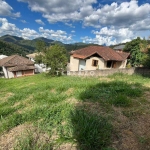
point(97, 57)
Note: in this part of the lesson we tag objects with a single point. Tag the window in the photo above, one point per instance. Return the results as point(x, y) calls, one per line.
point(94, 63)
point(109, 63)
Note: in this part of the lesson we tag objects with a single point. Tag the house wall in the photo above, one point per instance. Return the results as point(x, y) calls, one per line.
point(28, 72)
point(89, 63)
point(74, 64)
point(118, 64)
point(124, 63)
point(23, 73)
point(7, 73)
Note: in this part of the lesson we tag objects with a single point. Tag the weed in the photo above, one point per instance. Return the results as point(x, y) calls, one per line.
point(33, 141)
point(91, 132)
point(120, 100)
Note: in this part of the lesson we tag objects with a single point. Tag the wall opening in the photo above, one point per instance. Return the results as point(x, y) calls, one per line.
point(94, 63)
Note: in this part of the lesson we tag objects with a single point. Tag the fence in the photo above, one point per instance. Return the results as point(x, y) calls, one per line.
point(106, 72)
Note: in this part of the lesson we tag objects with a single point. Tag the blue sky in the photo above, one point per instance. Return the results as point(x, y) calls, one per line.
point(90, 21)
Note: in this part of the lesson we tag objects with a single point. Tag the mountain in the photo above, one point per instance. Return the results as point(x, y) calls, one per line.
point(8, 49)
point(24, 46)
point(12, 39)
point(43, 39)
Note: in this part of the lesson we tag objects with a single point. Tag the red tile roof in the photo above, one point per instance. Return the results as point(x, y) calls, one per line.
point(124, 55)
point(105, 52)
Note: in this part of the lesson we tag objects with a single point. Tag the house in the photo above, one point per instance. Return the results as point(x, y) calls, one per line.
point(97, 57)
point(39, 68)
point(119, 48)
point(16, 66)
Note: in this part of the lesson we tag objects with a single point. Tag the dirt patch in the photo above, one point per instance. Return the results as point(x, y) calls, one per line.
point(7, 95)
point(93, 107)
point(24, 86)
point(147, 95)
point(22, 132)
point(69, 91)
point(8, 140)
point(72, 100)
point(53, 91)
point(27, 103)
point(131, 133)
point(106, 79)
point(147, 85)
point(67, 146)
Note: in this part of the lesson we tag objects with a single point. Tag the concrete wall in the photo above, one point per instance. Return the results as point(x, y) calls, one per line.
point(106, 72)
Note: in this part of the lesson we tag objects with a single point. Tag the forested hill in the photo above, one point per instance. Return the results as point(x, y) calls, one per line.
point(16, 45)
point(10, 49)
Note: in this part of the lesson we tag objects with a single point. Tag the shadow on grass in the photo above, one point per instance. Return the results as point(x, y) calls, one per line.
point(92, 130)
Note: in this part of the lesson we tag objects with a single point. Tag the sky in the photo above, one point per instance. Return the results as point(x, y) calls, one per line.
point(103, 22)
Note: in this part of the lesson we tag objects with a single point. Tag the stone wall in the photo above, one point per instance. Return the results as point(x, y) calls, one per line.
point(106, 72)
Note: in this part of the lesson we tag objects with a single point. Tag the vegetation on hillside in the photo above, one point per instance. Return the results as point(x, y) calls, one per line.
point(30, 45)
point(11, 49)
point(137, 49)
point(54, 57)
point(101, 113)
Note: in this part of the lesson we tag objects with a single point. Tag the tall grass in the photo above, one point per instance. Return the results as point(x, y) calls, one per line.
point(47, 103)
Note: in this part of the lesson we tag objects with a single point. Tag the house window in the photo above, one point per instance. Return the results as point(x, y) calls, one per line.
point(94, 63)
point(109, 64)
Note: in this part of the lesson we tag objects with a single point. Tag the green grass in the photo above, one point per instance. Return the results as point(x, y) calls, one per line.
point(74, 110)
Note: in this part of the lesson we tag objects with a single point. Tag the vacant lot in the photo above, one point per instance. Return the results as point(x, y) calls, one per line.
point(63, 113)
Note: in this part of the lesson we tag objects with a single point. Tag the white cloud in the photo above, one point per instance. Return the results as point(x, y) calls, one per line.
point(58, 10)
point(39, 21)
point(123, 15)
point(69, 24)
point(7, 10)
point(7, 28)
point(109, 36)
point(23, 21)
point(57, 35)
point(27, 33)
point(99, 40)
point(120, 14)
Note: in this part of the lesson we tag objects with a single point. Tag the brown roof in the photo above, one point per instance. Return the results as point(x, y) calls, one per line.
point(124, 55)
point(105, 52)
point(21, 67)
point(15, 60)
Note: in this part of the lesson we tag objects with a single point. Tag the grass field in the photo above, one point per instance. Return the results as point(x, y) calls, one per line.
point(104, 113)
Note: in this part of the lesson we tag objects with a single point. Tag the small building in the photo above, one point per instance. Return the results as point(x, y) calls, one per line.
point(97, 57)
point(16, 66)
point(119, 48)
point(39, 68)
point(3, 56)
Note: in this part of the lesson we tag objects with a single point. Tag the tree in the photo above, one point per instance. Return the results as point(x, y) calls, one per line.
point(55, 57)
point(136, 48)
point(40, 48)
point(147, 59)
